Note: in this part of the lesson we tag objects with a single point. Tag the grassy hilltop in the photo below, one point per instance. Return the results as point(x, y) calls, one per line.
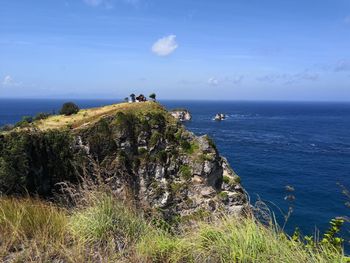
point(89, 116)
point(128, 183)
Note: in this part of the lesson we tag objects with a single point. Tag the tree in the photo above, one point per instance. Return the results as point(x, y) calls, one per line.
point(153, 96)
point(69, 108)
point(132, 96)
point(126, 99)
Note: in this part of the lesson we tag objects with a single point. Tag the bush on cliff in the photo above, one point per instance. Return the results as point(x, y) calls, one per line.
point(41, 116)
point(35, 162)
point(26, 120)
point(6, 127)
point(69, 108)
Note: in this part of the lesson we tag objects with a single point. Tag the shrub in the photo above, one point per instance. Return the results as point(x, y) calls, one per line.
point(231, 181)
point(69, 108)
point(170, 133)
point(156, 120)
point(35, 162)
point(185, 172)
point(226, 179)
point(7, 127)
point(185, 145)
point(26, 120)
point(155, 138)
point(41, 116)
point(223, 196)
point(162, 156)
point(142, 151)
point(211, 142)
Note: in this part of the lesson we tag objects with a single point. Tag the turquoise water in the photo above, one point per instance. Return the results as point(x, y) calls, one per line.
point(269, 144)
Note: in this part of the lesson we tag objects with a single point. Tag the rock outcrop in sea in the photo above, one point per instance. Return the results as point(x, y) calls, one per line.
point(181, 114)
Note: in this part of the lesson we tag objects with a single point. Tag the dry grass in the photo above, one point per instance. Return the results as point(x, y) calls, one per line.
point(105, 230)
point(86, 117)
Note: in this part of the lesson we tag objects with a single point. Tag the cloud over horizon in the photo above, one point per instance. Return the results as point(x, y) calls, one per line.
point(289, 78)
point(342, 66)
point(165, 46)
point(213, 81)
point(9, 81)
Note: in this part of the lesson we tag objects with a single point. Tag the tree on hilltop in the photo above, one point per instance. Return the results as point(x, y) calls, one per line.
point(69, 108)
point(153, 96)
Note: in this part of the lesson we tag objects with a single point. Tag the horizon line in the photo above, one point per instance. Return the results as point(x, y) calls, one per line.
point(167, 99)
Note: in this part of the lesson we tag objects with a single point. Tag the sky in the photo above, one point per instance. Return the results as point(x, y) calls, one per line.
point(183, 49)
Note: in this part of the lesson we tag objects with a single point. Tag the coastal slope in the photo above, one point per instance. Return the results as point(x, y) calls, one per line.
point(139, 149)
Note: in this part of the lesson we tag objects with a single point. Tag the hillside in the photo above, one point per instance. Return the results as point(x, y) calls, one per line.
point(139, 148)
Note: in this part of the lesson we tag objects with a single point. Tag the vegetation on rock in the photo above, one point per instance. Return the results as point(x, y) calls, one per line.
point(153, 96)
point(99, 228)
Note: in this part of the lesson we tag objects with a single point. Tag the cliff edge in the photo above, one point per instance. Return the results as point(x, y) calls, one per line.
point(139, 149)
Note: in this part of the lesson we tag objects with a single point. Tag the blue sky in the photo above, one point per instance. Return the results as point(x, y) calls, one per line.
point(183, 49)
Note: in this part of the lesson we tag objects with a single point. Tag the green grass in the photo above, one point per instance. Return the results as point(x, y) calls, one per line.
point(103, 229)
point(232, 240)
point(185, 172)
point(223, 195)
point(31, 217)
point(106, 217)
point(231, 181)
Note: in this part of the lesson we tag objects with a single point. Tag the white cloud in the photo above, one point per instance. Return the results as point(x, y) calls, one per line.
point(9, 81)
point(165, 46)
point(213, 81)
point(289, 78)
point(225, 80)
point(342, 65)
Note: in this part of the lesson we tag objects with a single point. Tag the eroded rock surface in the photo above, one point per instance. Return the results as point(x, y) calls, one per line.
point(147, 156)
point(181, 114)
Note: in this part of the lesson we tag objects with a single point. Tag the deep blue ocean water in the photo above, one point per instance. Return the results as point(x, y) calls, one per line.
point(269, 144)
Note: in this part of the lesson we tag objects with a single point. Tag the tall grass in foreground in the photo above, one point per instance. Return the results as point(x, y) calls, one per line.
point(104, 218)
point(232, 240)
point(29, 227)
point(28, 218)
point(102, 229)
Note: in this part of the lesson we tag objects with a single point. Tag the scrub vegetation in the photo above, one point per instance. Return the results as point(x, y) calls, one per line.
point(97, 227)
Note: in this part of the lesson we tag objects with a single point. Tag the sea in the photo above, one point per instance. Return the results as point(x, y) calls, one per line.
point(270, 145)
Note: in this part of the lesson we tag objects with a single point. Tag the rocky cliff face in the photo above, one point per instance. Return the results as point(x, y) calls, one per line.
point(143, 153)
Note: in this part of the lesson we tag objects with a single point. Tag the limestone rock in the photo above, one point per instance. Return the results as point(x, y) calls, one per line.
point(181, 114)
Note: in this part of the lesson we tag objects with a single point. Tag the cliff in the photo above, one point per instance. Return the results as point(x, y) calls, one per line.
point(139, 149)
